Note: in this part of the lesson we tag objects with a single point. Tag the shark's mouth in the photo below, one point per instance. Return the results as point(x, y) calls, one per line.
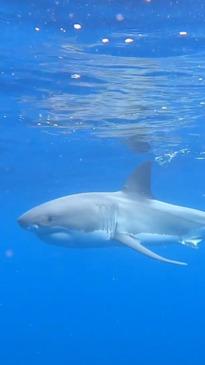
point(72, 238)
point(57, 236)
point(52, 231)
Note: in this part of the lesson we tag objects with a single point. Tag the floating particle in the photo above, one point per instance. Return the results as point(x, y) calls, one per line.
point(39, 123)
point(9, 253)
point(200, 79)
point(37, 29)
point(164, 107)
point(75, 76)
point(63, 30)
point(105, 40)
point(120, 17)
point(77, 26)
point(129, 40)
point(183, 34)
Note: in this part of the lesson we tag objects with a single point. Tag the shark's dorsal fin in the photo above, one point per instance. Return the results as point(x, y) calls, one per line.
point(139, 181)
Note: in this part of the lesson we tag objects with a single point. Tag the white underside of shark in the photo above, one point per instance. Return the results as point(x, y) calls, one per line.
point(130, 217)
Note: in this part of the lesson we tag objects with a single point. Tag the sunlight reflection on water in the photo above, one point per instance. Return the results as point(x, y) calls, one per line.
point(112, 96)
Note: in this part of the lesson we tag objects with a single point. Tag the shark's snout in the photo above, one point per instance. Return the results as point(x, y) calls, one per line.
point(22, 222)
point(26, 223)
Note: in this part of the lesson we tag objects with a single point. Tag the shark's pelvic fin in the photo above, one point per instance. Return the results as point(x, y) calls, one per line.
point(140, 181)
point(193, 242)
point(136, 245)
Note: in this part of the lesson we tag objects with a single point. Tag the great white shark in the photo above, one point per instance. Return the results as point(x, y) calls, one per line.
point(130, 217)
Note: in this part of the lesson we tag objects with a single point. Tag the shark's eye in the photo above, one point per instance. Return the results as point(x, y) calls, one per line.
point(50, 218)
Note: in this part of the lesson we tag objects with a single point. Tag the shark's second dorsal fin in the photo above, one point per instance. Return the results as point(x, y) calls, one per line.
point(140, 181)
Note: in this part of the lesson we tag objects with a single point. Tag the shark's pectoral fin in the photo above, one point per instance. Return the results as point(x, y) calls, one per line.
point(136, 245)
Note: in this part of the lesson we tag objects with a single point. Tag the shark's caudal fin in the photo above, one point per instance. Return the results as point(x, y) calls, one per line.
point(136, 245)
point(140, 181)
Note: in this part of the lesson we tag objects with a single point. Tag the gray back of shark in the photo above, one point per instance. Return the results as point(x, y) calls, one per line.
point(130, 217)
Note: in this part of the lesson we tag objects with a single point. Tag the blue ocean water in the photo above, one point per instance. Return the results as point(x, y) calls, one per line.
point(89, 90)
